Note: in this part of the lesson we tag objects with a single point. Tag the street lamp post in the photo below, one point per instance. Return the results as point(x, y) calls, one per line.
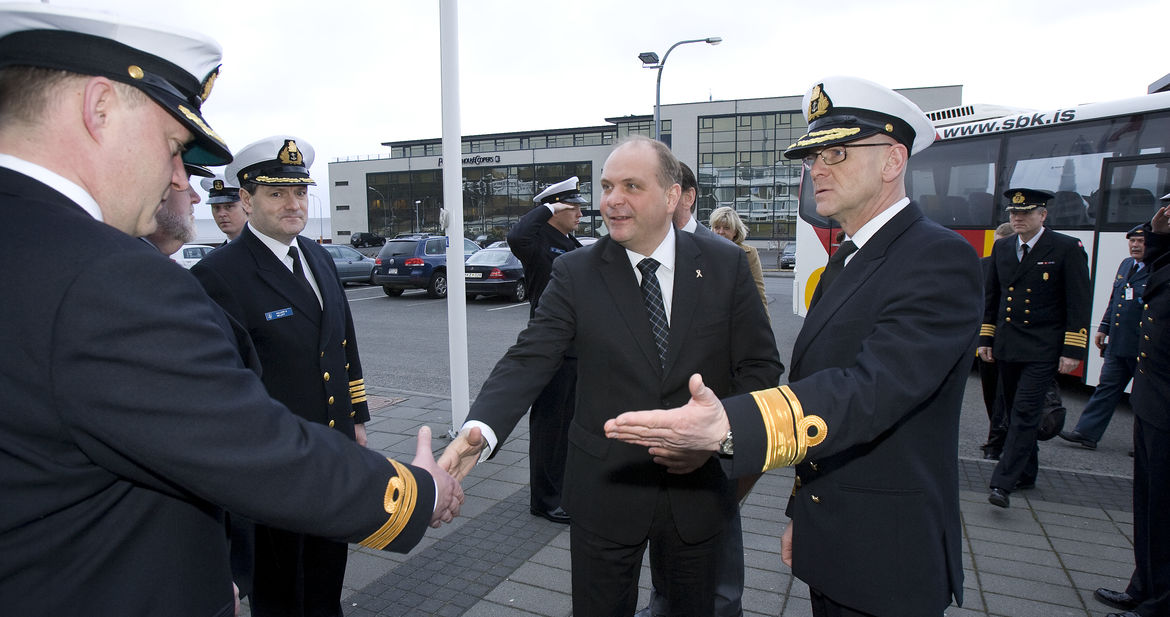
point(650, 61)
point(416, 204)
point(386, 202)
point(320, 220)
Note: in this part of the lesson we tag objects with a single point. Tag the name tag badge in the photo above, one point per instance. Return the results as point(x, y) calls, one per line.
point(1129, 293)
point(284, 312)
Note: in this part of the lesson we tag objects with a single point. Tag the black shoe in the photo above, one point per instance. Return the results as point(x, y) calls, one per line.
point(1125, 614)
point(1024, 485)
point(556, 515)
point(1116, 599)
point(989, 455)
point(1076, 437)
point(998, 498)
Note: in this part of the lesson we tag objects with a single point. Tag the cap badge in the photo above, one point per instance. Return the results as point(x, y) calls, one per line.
point(819, 103)
point(135, 71)
point(208, 82)
point(1018, 198)
point(217, 185)
point(289, 154)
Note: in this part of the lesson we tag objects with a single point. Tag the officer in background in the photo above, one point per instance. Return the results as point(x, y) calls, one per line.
point(284, 289)
point(1121, 326)
point(539, 237)
point(989, 379)
point(176, 217)
point(224, 198)
point(1148, 593)
point(1036, 307)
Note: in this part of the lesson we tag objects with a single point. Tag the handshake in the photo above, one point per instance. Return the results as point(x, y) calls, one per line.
point(448, 472)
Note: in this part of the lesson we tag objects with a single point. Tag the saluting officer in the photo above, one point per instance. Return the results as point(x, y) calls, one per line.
point(284, 289)
point(224, 198)
point(539, 237)
point(1036, 307)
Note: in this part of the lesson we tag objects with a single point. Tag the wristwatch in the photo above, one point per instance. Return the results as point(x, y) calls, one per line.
point(727, 446)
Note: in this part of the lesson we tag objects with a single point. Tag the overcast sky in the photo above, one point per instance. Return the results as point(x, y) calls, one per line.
point(346, 75)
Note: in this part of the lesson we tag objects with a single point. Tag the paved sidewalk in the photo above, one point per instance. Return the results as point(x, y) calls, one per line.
point(1042, 557)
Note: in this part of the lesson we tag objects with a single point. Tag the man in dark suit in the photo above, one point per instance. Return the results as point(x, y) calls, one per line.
point(1148, 594)
point(1121, 325)
point(175, 219)
point(684, 214)
point(989, 379)
point(871, 413)
point(129, 421)
point(284, 289)
point(538, 238)
point(645, 308)
point(1036, 309)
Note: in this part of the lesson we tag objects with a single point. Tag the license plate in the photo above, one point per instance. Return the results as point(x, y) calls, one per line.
point(473, 275)
point(391, 270)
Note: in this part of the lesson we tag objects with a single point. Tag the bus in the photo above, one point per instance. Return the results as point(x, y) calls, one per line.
point(1108, 164)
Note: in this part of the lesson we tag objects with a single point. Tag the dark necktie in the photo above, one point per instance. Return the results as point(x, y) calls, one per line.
point(1023, 252)
point(299, 270)
point(834, 267)
point(655, 309)
point(1132, 271)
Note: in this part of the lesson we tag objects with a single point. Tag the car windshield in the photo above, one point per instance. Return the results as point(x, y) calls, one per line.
point(394, 248)
point(489, 257)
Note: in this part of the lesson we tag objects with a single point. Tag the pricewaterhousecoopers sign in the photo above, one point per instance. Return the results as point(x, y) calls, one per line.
point(478, 159)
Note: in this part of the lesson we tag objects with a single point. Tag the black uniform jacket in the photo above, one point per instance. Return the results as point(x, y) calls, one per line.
point(717, 328)
point(1037, 310)
point(129, 423)
point(1151, 383)
point(537, 244)
point(308, 350)
point(1124, 312)
point(871, 420)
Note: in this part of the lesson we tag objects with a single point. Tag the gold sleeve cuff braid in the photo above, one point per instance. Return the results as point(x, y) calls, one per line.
point(786, 427)
point(357, 391)
point(987, 329)
point(399, 501)
point(1077, 339)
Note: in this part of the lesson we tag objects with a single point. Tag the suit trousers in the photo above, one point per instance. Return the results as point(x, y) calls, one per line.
point(1024, 386)
point(1115, 375)
point(728, 577)
point(1151, 519)
point(548, 440)
point(297, 575)
point(824, 606)
point(996, 411)
point(605, 573)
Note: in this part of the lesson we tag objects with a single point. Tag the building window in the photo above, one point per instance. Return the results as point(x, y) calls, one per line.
point(341, 183)
point(342, 208)
point(344, 232)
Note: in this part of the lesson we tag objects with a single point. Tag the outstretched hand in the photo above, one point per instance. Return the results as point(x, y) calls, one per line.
point(699, 425)
point(463, 453)
point(449, 495)
point(1161, 221)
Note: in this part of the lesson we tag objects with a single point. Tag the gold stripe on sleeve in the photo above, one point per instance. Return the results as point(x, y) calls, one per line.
point(987, 329)
point(786, 427)
point(399, 501)
point(1077, 339)
point(357, 391)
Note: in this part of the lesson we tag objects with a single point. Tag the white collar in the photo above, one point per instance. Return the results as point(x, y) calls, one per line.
point(664, 254)
point(55, 181)
point(871, 227)
point(277, 247)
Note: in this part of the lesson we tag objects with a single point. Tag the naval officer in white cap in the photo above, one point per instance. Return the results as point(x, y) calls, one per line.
point(223, 195)
point(539, 237)
point(283, 288)
point(130, 423)
point(870, 415)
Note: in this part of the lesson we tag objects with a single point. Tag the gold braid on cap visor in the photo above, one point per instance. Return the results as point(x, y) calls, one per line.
point(399, 501)
point(820, 137)
point(786, 427)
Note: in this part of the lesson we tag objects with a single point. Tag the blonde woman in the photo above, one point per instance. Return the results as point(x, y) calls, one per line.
point(725, 221)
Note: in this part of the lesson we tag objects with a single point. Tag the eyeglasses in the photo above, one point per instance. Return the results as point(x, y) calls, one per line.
point(834, 154)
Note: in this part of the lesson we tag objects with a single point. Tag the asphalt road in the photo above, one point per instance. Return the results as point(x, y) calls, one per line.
point(403, 345)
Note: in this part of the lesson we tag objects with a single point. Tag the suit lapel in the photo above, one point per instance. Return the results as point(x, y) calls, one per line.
point(619, 279)
point(277, 276)
point(862, 265)
point(688, 285)
point(331, 295)
point(1043, 247)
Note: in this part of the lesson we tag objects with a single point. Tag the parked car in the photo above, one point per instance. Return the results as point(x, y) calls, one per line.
point(416, 262)
point(352, 265)
point(365, 238)
point(788, 256)
point(498, 244)
point(586, 240)
point(190, 254)
point(495, 272)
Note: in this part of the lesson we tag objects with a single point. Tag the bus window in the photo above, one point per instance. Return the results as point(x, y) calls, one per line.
point(955, 186)
point(1134, 186)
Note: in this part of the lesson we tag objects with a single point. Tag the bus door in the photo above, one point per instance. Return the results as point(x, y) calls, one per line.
point(1130, 193)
